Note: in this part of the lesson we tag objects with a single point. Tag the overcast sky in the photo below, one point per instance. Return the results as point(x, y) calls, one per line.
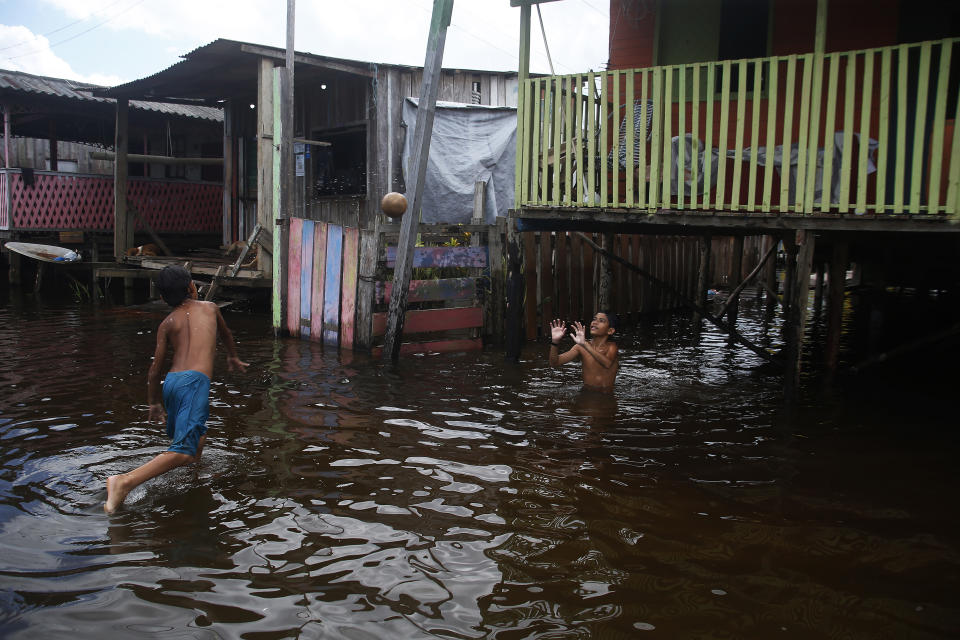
point(110, 42)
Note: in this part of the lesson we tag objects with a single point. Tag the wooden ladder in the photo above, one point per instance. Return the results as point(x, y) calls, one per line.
point(235, 268)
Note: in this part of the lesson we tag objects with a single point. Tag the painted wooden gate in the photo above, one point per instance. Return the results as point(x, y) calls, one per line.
point(445, 302)
point(322, 269)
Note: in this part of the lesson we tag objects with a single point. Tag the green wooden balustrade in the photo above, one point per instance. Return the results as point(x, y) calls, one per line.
point(753, 136)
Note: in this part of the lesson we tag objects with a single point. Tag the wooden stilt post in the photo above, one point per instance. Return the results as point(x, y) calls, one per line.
point(514, 311)
point(493, 320)
point(426, 108)
point(838, 275)
point(770, 275)
point(797, 314)
point(789, 271)
point(122, 229)
point(736, 275)
point(818, 290)
point(604, 291)
point(703, 273)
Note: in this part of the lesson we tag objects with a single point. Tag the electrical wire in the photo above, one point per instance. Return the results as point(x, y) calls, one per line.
point(67, 26)
point(75, 36)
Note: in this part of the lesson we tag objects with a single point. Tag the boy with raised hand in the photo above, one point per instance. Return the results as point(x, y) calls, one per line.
point(598, 354)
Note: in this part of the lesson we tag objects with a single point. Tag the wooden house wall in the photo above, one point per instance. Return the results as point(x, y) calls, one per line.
point(633, 37)
point(33, 153)
point(374, 103)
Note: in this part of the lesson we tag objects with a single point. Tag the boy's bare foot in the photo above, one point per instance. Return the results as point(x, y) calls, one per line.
point(116, 493)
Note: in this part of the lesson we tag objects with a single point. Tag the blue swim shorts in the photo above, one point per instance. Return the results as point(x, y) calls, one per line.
point(186, 398)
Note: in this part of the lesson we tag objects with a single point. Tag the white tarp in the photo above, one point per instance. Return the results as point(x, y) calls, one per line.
point(470, 143)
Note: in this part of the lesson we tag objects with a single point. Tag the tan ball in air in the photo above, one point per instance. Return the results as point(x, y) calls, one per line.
point(394, 204)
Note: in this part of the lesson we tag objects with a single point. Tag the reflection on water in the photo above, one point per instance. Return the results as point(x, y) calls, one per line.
point(457, 496)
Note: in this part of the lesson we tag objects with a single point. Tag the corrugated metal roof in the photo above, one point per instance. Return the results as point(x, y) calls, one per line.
point(20, 82)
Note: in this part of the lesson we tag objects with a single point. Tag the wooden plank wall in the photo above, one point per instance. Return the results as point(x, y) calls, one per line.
point(562, 271)
point(448, 303)
point(322, 281)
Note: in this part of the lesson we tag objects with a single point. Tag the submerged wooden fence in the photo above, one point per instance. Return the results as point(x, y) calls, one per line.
point(450, 300)
point(869, 131)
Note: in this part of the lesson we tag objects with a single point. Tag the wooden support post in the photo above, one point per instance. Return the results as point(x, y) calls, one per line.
point(16, 266)
point(479, 202)
point(494, 303)
point(604, 291)
point(770, 275)
point(818, 290)
point(736, 271)
point(52, 139)
point(797, 314)
point(228, 169)
point(837, 284)
point(789, 271)
point(705, 247)
point(267, 137)
point(426, 108)
point(38, 279)
point(122, 229)
point(514, 311)
point(281, 230)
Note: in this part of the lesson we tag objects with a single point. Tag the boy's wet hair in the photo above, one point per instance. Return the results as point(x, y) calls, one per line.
point(174, 284)
point(611, 318)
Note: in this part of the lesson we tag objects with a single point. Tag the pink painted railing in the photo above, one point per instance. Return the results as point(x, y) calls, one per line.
point(64, 201)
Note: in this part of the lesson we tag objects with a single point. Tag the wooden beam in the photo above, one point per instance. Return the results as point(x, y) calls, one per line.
point(736, 292)
point(736, 268)
point(366, 70)
point(122, 229)
point(426, 108)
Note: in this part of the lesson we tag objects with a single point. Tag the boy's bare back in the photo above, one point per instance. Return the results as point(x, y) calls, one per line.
point(191, 329)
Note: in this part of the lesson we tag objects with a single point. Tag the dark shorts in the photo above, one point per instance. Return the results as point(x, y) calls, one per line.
point(186, 398)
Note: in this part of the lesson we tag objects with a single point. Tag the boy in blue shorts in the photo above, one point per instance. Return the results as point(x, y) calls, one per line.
point(191, 328)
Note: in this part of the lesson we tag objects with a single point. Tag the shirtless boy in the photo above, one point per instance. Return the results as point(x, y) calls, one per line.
point(192, 329)
point(598, 354)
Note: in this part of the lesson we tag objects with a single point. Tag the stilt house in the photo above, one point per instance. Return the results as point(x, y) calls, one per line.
point(824, 125)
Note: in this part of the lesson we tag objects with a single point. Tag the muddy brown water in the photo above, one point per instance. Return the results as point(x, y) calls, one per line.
point(460, 496)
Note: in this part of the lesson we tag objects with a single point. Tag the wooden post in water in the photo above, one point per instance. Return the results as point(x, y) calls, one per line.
point(426, 108)
point(703, 274)
point(818, 289)
point(837, 284)
point(736, 275)
point(604, 297)
point(789, 272)
point(797, 314)
point(282, 168)
point(770, 275)
point(512, 327)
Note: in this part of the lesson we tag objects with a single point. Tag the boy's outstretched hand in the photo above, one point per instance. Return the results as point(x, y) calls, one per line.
point(579, 333)
point(557, 329)
point(233, 362)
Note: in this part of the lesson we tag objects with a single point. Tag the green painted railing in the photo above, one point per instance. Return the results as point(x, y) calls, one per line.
point(754, 135)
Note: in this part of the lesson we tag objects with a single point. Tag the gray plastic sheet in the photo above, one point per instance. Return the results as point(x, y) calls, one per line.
point(470, 143)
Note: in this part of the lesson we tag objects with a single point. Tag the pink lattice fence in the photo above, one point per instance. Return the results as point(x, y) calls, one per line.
point(60, 201)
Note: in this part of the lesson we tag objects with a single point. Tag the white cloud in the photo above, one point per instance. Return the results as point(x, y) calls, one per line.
point(23, 50)
point(484, 33)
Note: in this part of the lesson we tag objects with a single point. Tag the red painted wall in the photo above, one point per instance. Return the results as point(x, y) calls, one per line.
point(851, 24)
point(631, 33)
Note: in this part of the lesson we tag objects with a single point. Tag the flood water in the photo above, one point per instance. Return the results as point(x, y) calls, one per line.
point(461, 496)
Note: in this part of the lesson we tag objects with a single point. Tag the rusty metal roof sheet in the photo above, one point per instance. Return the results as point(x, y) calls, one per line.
point(20, 82)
